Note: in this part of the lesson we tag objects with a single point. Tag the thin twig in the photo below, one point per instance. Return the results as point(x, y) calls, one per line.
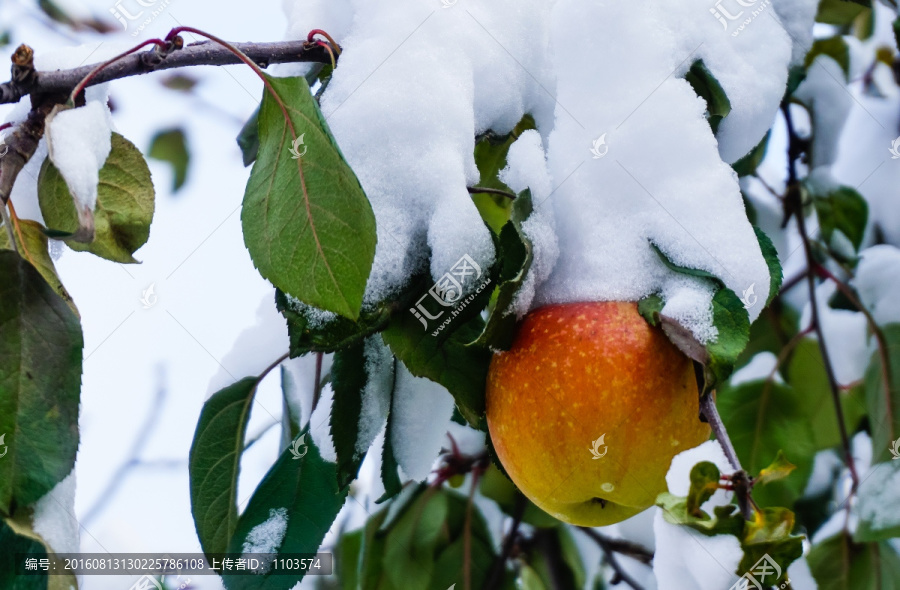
point(610, 556)
point(740, 479)
point(633, 550)
point(474, 190)
point(508, 543)
point(794, 205)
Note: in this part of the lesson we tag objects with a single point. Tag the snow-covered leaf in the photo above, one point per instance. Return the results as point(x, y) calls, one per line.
point(733, 324)
point(306, 492)
point(708, 88)
point(33, 246)
point(762, 420)
point(516, 256)
point(307, 223)
point(447, 358)
point(840, 564)
point(311, 330)
point(884, 407)
point(878, 504)
point(215, 463)
point(40, 384)
point(348, 380)
point(170, 146)
point(124, 207)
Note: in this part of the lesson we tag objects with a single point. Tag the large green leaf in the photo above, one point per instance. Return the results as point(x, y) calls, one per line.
point(124, 207)
point(762, 420)
point(842, 210)
point(307, 489)
point(884, 405)
point(307, 223)
point(215, 461)
point(840, 564)
point(40, 383)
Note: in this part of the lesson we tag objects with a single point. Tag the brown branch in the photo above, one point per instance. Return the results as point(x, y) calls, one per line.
point(509, 543)
point(204, 53)
point(633, 550)
point(794, 206)
point(609, 553)
point(741, 480)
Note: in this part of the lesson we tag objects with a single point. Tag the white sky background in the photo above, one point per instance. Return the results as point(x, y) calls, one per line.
point(203, 277)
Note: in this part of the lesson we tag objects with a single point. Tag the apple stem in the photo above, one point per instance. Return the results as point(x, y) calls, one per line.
point(740, 482)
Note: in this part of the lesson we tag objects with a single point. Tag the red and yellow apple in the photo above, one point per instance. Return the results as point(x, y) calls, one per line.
point(587, 409)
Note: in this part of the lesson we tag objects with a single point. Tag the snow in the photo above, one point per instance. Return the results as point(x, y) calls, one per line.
point(759, 368)
point(877, 282)
point(847, 330)
point(320, 425)
point(255, 349)
point(823, 92)
point(376, 401)
point(79, 143)
point(879, 496)
point(826, 466)
point(421, 413)
point(54, 517)
point(797, 17)
point(526, 167)
point(267, 536)
point(686, 558)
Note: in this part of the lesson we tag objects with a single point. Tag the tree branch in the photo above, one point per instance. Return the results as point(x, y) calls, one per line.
point(204, 53)
point(610, 555)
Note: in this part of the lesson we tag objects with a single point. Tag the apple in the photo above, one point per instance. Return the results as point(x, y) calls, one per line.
point(587, 409)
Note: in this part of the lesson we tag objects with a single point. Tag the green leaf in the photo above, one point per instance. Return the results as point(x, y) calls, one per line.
point(762, 419)
point(348, 558)
point(724, 522)
point(843, 210)
point(124, 207)
point(877, 499)
point(768, 538)
point(835, 48)
point(841, 564)
point(733, 323)
point(776, 275)
point(460, 368)
point(750, 162)
point(692, 272)
point(704, 483)
point(307, 488)
point(806, 375)
point(307, 223)
point(884, 405)
point(841, 12)
point(248, 139)
point(348, 380)
point(708, 88)
point(215, 462)
point(516, 257)
point(390, 478)
point(34, 247)
point(529, 579)
point(779, 469)
point(40, 384)
point(309, 332)
point(18, 539)
point(170, 146)
point(491, 150)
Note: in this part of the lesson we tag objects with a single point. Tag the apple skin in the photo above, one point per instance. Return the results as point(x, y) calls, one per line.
point(579, 371)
